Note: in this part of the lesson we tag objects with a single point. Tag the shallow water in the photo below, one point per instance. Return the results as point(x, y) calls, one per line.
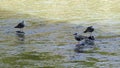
point(52, 45)
point(48, 41)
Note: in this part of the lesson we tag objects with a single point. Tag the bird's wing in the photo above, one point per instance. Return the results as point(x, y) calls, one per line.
point(82, 37)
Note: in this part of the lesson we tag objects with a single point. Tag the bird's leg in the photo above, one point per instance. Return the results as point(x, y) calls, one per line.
point(22, 29)
point(90, 33)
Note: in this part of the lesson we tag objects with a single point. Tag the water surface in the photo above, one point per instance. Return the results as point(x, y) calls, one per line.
point(48, 41)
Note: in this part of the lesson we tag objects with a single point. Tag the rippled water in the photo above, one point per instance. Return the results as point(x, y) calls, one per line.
point(52, 45)
point(48, 41)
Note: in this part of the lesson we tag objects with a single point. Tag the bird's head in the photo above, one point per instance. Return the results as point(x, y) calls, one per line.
point(91, 37)
point(75, 33)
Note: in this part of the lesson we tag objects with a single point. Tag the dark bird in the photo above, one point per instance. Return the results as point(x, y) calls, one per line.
point(90, 40)
point(89, 29)
point(86, 43)
point(79, 37)
point(20, 25)
point(91, 37)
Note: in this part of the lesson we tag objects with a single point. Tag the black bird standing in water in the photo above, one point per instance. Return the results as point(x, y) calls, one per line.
point(91, 37)
point(79, 37)
point(89, 29)
point(21, 26)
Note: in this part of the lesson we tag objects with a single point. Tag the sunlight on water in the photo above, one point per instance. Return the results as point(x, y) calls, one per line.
point(64, 9)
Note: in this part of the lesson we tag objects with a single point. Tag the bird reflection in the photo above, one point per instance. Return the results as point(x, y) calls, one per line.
point(87, 42)
point(20, 35)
